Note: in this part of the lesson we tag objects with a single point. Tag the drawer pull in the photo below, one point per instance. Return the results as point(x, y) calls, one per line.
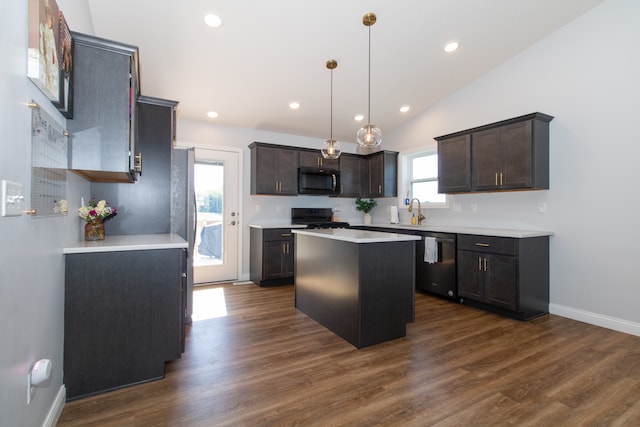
point(484, 245)
point(285, 234)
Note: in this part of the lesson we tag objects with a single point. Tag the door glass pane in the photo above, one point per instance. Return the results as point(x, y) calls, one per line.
point(209, 189)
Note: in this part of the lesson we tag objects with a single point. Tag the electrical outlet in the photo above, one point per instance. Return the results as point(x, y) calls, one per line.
point(474, 207)
point(542, 207)
point(12, 198)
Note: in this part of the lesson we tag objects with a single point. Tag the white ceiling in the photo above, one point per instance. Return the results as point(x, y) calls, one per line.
point(269, 53)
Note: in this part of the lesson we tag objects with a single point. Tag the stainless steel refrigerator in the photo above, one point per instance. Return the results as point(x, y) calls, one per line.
point(183, 211)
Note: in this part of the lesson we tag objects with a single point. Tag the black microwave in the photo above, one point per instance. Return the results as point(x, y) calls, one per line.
point(318, 181)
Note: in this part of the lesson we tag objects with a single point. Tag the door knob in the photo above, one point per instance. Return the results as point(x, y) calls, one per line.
point(233, 223)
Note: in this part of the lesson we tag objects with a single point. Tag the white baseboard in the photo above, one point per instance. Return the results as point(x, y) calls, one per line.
point(56, 408)
point(596, 319)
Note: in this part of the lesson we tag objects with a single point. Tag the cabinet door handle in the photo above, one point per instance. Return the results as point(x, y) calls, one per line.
point(485, 264)
point(484, 245)
point(137, 164)
point(500, 178)
point(379, 188)
point(479, 263)
point(496, 178)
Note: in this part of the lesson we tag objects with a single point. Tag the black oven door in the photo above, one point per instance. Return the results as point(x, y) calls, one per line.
point(318, 181)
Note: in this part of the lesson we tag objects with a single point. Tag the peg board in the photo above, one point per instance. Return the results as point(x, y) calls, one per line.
point(48, 163)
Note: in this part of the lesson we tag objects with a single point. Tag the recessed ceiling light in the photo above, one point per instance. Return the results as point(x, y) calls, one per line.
point(358, 118)
point(212, 114)
point(294, 105)
point(404, 108)
point(212, 20)
point(451, 46)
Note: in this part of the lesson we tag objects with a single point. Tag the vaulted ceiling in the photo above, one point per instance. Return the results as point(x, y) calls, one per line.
point(269, 53)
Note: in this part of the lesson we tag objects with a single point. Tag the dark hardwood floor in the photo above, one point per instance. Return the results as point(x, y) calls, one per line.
point(265, 364)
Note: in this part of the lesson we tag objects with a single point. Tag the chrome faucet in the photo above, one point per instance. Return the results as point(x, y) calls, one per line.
point(420, 216)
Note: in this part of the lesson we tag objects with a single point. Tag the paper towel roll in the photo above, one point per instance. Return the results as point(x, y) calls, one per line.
point(394, 215)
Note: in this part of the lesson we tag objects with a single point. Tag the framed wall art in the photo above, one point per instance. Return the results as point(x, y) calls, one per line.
point(65, 99)
point(50, 54)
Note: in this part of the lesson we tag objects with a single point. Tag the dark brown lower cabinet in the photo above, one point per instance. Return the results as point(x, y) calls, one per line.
point(271, 256)
point(509, 276)
point(124, 318)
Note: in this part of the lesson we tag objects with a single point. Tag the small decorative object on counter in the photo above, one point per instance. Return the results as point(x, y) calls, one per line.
point(336, 213)
point(96, 213)
point(94, 230)
point(366, 206)
point(407, 199)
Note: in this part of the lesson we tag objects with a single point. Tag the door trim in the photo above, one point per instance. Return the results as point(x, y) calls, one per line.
point(240, 153)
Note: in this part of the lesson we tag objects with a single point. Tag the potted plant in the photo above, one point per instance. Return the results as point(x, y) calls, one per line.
point(365, 206)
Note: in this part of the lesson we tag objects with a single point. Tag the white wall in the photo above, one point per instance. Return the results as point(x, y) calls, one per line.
point(32, 273)
point(32, 266)
point(586, 75)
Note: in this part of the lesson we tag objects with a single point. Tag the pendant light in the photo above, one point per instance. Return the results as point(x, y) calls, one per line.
point(369, 135)
point(331, 148)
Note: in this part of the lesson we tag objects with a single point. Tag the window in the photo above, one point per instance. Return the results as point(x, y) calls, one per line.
point(422, 178)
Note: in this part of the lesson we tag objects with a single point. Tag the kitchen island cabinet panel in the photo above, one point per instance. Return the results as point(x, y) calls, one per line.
point(123, 318)
point(363, 292)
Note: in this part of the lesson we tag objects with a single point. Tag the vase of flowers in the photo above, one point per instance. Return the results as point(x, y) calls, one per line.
point(365, 206)
point(95, 214)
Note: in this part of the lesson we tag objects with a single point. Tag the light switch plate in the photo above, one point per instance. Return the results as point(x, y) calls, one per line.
point(12, 198)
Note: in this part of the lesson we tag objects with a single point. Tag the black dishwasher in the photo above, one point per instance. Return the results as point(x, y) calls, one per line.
point(436, 273)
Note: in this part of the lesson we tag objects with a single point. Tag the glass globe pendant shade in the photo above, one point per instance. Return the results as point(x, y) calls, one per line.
point(331, 149)
point(369, 136)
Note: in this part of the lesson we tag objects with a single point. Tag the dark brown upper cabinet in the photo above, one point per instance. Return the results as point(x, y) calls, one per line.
point(103, 131)
point(274, 169)
point(509, 155)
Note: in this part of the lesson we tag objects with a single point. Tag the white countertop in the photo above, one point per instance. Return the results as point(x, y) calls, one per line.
point(280, 225)
point(135, 242)
point(357, 236)
point(481, 231)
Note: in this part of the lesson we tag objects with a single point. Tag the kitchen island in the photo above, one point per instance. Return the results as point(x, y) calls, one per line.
point(357, 283)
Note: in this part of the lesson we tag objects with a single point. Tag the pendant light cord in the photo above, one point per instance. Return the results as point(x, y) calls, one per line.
point(369, 88)
point(331, 110)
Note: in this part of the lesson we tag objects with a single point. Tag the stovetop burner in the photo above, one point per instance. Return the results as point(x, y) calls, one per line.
point(315, 218)
point(332, 224)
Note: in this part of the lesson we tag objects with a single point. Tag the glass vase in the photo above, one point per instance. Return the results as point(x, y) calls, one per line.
point(94, 230)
